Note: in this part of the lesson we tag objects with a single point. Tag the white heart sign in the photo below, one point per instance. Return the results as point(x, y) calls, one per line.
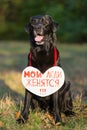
point(43, 84)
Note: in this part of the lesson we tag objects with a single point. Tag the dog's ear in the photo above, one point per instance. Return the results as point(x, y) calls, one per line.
point(55, 26)
point(26, 28)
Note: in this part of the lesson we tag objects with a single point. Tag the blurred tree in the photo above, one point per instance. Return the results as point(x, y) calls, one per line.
point(11, 12)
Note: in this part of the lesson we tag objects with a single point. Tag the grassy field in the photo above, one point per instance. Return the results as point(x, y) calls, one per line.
point(13, 59)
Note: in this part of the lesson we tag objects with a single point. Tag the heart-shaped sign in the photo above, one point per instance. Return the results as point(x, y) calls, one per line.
point(43, 84)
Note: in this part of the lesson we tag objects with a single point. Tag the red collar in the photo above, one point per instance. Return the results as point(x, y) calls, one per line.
point(56, 57)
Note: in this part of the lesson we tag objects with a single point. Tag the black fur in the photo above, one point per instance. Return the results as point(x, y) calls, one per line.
point(42, 58)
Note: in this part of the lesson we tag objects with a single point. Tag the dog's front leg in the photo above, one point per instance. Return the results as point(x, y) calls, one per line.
point(24, 114)
point(56, 106)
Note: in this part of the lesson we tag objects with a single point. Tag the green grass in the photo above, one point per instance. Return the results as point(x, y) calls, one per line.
point(13, 59)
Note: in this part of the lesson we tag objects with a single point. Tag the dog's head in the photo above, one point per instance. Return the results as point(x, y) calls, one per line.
point(41, 29)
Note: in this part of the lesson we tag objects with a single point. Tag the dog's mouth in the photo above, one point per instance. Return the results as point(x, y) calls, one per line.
point(39, 39)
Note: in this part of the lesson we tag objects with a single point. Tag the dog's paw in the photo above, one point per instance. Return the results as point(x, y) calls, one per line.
point(57, 119)
point(22, 119)
point(69, 113)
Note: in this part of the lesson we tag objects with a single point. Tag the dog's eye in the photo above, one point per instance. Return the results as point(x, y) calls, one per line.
point(44, 22)
point(33, 22)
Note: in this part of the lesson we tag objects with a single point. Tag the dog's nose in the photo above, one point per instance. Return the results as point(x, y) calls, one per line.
point(38, 28)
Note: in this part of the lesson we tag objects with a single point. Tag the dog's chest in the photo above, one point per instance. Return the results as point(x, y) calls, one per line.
point(43, 60)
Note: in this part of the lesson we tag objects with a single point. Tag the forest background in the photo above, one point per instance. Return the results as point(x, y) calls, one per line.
point(70, 14)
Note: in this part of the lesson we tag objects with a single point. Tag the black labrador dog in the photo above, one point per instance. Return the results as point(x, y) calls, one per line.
point(42, 30)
